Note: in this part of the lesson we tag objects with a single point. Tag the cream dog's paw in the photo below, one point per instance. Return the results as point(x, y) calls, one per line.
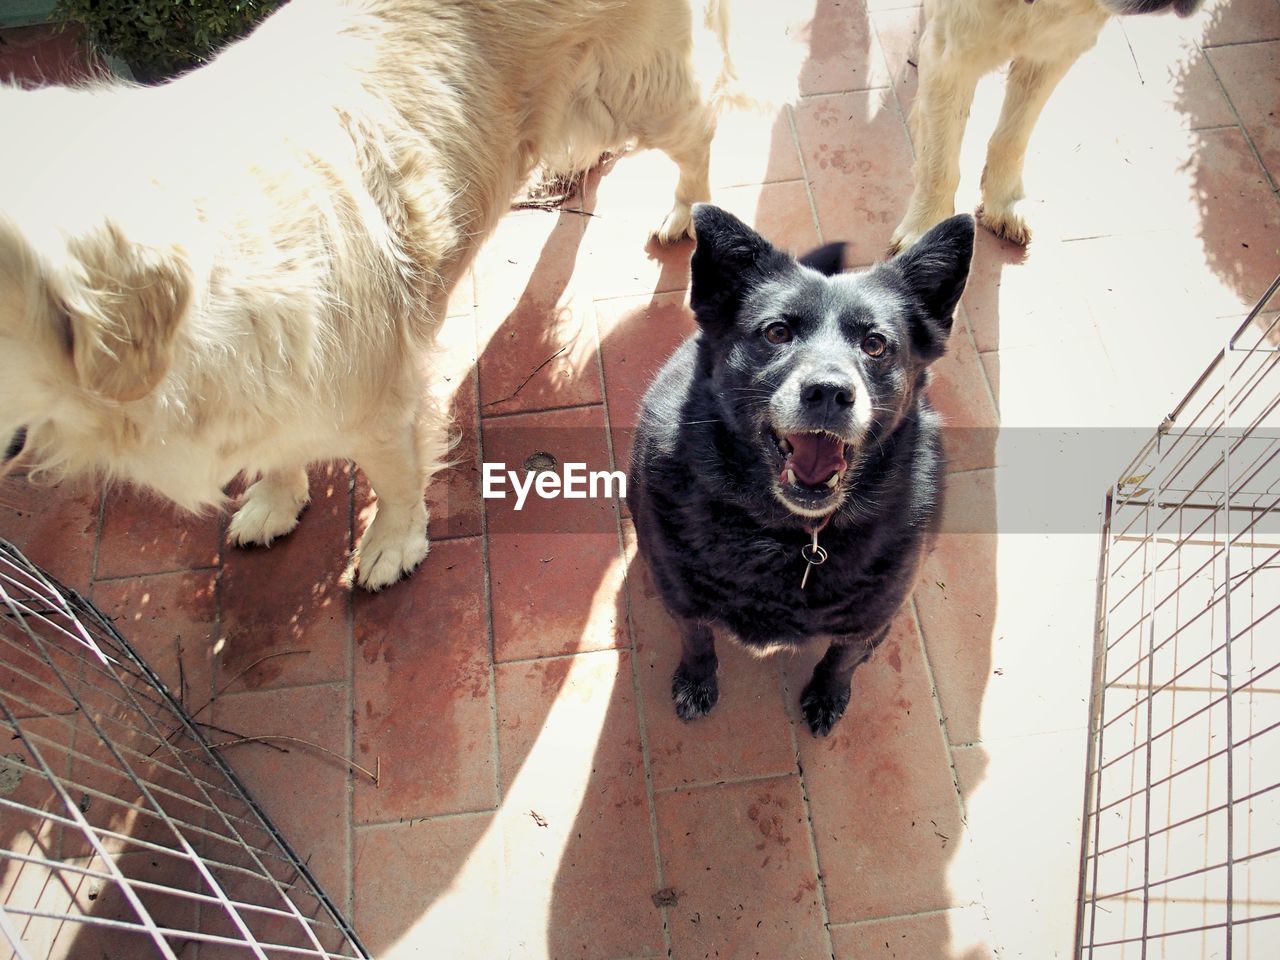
point(1005, 222)
point(677, 225)
point(269, 508)
point(393, 545)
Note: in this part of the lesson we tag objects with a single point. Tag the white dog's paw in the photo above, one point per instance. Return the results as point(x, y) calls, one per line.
point(902, 238)
point(907, 233)
point(391, 547)
point(920, 219)
point(677, 225)
point(1005, 222)
point(269, 509)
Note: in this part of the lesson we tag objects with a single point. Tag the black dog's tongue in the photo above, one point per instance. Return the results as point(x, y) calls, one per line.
point(815, 457)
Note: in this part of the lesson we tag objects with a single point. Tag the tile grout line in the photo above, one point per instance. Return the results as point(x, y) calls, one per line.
point(350, 720)
point(873, 30)
point(598, 351)
point(646, 759)
point(937, 705)
point(903, 117)
point(824, 912)
point(790, 111)
point(641, 718)
point(497, 824)
point(1237, 43)
point(487, 587)
point(97, 541)
point(982, 367)
point(217, 638)
point(1244, 130)
point(968, 841)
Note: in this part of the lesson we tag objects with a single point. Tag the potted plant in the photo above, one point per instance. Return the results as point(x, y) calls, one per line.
point(159, 39)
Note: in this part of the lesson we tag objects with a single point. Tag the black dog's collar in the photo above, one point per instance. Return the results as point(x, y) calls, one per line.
point(813, 553)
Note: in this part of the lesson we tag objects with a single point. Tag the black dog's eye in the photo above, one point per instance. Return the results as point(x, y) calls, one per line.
point(874, 345)
point(777, 333)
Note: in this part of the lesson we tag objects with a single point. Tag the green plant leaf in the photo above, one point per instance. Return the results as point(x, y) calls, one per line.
point(162, 38)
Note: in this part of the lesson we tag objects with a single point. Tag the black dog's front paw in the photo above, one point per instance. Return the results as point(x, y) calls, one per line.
point(694, 698)
point(823, 703)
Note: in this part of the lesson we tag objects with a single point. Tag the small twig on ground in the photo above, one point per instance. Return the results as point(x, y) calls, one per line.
point(235, 733)
point(269, 656)
point(204, 706)
point(374, 775)
point(182, 674)
point(525, 381)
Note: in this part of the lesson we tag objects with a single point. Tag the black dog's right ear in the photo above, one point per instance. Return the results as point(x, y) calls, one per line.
point(936, 267)
point(934, 271)
point(729, 260)
point(828, 259)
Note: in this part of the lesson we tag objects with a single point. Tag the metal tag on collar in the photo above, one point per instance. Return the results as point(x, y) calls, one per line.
point(814, 555)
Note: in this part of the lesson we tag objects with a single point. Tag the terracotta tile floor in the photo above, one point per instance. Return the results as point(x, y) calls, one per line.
point(537, 794)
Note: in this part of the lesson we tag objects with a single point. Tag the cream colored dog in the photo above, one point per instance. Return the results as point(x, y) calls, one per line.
point(962, 41)
point(240, 272)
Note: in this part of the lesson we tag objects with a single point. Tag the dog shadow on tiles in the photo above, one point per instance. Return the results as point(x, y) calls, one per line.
point(610, 828)
point(1239, 215)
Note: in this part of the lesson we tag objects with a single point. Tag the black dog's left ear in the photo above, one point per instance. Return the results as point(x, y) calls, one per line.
point(729, 260)
point(934, 270)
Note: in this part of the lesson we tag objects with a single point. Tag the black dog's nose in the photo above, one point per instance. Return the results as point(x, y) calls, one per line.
point(826, 396)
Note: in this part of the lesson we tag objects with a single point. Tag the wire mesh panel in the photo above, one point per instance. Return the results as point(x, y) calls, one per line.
point(122, 835)
point(1182, 833)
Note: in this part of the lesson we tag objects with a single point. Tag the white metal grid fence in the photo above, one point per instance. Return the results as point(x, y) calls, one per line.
point(1182, 828)
point(122, 834)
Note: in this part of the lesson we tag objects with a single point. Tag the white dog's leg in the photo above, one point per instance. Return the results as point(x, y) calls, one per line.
point(694, 159)
point(396, 539)
point(947, 83)
point(1027, 92)
point(269, 508)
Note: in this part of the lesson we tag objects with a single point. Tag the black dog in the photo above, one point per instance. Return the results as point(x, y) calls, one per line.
point(787, 468)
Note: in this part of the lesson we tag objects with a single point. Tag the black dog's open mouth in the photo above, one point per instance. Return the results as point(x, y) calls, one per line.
point(813, 464)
